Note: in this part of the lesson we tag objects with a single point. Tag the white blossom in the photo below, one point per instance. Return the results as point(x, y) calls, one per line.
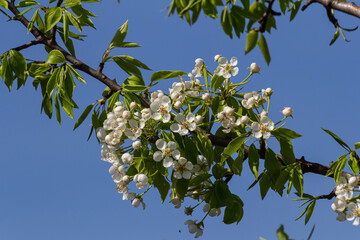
point(161, 109)
point(254, 68)
point(168, 152)
point(251, 100)
point(184, 125)
point(182, 168)
point(354, 213)
point(127, 158)
point(263, 129)
point(226, 69)
point(141, 180)
point(194, 228)
point(197, 70)
point(101, 133)
point(287, 111)
point(136, 145)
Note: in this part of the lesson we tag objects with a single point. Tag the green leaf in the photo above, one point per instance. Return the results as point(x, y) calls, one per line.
point(74, 20)
point(134, 88)
point(55, 57)
point(17, 63)
point(264, 49)
point(57, 108)
point(54, 80)
point(216, 82)
point(75, 73)
point(4, 4)
point(294, 9)
point(199, 179)
point(162, 185)
point(254, 160)
point(164, 74)
point(284, 4)
point(32, 20)
point(112, 100)
point(251, 40)
point(83, 116)
point(338, 140)
point(238, 163)
point(272, 164)
point(285, 133)
point(128, 45)
point(52, 17)
point(65, 27)
point(265, 183)
point(205, 147)
point(232, 147)
point(336, 35)
point(281, 234)
point(67, 105)
point(337, 167)
point(297, 179)
point(237, 20)
point(221, 195)
point(357, 145)
point(209, 8)
point(26, 3)
point(310, 210)
point(134, 61)
point(128, 67)
point(226, 22)
point(286, 151)
point(119, 36)
point(353, 163)
point(182, 187)
point(219, 171)
point(47, 105)
point(234, 211)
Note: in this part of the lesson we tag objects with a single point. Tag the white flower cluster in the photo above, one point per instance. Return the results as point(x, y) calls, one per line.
point(229, 121)
point(343, 205)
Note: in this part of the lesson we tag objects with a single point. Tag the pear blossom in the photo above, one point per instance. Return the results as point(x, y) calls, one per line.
point(132, 105)
point(182, 168)
point(216, 58)
point(194, 228)
point(205, 96)
point(244, 120)
point(141, 180)
point(339, 204)
point(197, 70)
point(254, 68)
point(354, 213)
point(287, 111)
point(226, 69)
point(184, 125)
point(262, 130)
point(127, 158)
point(137, 201)
point(134, 131)
point(198, 119)
point(344, 189)
point(101, 133)
point(168, 152)
point(251, 100)
point(136, 145)
point(161, 109)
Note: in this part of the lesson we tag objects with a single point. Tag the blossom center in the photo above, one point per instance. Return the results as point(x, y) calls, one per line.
point(167, 152)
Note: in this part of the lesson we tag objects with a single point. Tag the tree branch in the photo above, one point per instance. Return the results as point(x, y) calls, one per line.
point(328, 196)
point(29, 44)
point(345, 7)
point(265, 17)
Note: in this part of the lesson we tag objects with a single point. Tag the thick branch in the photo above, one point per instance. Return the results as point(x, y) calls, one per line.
point(345, 7)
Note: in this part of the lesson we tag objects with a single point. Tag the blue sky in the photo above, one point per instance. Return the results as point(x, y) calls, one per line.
point(54, 185)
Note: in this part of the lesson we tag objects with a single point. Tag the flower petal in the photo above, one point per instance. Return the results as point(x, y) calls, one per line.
point(168, 161)
point(160, 144)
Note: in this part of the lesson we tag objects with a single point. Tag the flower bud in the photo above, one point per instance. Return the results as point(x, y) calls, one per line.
point(228, 111)
point(132, 105)
point(100, 133)
point(199, 62)
point(119, 104)
point(122, 169)
point(125, 179)
point(136, 202)
point(254, 68)
point(287, 111)
point(126, 114)
point(177, 105)
point(269, 92)
point(136, 145)
point(263, 114)
point(244, 120)
point(216, 58)
point(188, 211)
point(205, 96)
point(198, 119)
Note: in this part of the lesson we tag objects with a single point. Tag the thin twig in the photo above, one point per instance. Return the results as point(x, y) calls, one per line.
point(328, 196)
point(264, 18)
point(29, 44)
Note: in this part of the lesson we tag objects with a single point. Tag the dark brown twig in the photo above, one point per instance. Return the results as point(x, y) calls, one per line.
point(29, 44)
point(264, 18)
point(328, 196)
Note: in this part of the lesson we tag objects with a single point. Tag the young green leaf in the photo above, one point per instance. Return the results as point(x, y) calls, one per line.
point(338, 140)
point(83, 116)
point(254, 160)
point(119, 36)
point(336, 36)
point(164, 74)
point(4, 4)
point(264, 49)
point(52, 17)
point(226, 22)
point(286, 134)
point(57, 108)
point(232, 147)
point(310, 210)
point(357, 145)
point(55, 57)
point(251, 40)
